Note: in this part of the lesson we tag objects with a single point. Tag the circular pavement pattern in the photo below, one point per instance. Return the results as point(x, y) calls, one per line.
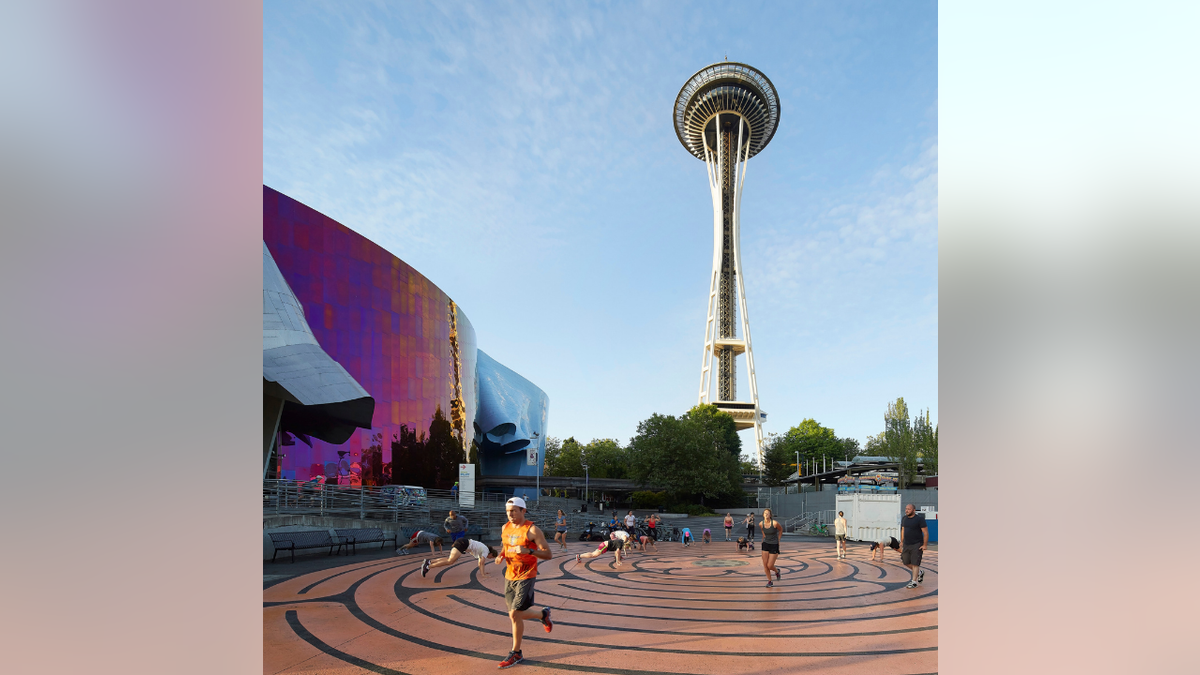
point(681, 610)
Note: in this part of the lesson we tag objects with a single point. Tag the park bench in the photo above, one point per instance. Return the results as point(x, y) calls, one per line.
point(365, 535)
point(300, 539)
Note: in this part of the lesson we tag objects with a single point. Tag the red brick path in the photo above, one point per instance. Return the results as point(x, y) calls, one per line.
point(658, 613)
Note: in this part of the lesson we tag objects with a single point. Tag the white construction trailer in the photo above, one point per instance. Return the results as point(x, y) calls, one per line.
point(870, 516)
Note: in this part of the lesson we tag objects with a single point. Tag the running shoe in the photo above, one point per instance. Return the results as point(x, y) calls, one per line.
point(911, 584)
point(425, 567)
point(920, 576)
point(770, 584)
point(777, 574)
point(549, 625)
point(577, 558)
point(513, 659)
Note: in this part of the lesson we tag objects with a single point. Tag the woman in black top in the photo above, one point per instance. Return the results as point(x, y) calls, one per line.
point(770, 545)
point(749, 526)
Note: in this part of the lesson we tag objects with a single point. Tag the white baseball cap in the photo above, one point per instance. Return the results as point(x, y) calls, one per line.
point(517, 501)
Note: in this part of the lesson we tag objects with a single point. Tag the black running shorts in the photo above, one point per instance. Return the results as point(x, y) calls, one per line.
point(911, 554)
point(518, 594)
point(770, 548)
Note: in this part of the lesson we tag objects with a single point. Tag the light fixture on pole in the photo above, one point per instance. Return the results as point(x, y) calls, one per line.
point(585, 481)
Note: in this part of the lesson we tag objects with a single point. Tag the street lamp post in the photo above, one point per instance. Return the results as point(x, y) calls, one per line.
point(585, 482)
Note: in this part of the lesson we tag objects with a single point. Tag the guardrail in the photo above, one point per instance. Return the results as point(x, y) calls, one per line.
point(811, 522)
point(385, 503)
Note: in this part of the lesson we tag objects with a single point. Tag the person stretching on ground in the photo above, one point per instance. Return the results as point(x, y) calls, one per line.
point(770, 545)
point(728, 526)
point(616, 544)
point(481, 552)
point(523, 546)
point(560, 529)
point(706, 536)
point(687, 537)
point(839, 534)
point(644, 540)
point(890, 542)
point(421, 537)
point(743, 542)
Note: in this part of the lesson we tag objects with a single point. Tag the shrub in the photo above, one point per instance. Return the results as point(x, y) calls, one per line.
point(691, 509)
point(648, 500)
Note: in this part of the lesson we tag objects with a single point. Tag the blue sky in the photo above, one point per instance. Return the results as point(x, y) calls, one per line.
point(522, 157)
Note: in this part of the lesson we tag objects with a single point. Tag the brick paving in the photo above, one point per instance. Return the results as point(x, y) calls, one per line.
point(700, 609)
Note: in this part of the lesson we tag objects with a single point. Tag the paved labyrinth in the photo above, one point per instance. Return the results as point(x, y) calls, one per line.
point(683, 610)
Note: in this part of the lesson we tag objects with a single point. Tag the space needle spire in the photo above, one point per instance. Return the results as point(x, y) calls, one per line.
point(725, 114)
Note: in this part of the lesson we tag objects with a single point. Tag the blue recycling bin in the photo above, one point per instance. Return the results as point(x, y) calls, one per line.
point(932, 526)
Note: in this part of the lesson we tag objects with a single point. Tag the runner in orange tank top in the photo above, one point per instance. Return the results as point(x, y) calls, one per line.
point(522, 545)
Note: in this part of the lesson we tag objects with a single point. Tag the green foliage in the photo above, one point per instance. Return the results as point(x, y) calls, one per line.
point(810, 439)
point(899, 444)
point(563, 458)
point(648, 500)
point(691, 509)
point(694, 454)
point(850, 448)
point(925, 437)
point(606, 459)
point(718, 423)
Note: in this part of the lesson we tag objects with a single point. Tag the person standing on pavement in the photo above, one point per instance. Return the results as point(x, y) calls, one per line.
point(728, 526)
point(839, 534)
point(770, 545)
point(560, 529)
point(630, 521)
point(914, 537)
point(522, 546)
point(652, 527)
point(749, 522)
point(455, 525)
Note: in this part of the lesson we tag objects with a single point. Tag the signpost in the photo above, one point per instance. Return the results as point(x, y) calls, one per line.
point(532, 460)
point(466, 486)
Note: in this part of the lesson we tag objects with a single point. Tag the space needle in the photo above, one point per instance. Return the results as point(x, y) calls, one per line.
point(725, 114)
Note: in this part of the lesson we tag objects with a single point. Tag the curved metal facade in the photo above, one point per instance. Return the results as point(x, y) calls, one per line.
point(411, 348)
point(403, 339)
point(512, 418)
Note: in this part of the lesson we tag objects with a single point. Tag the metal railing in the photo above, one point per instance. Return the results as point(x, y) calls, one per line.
point(811, 522)
point(384, 503)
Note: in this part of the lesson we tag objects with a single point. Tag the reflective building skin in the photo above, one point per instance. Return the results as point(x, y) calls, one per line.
point(305, 391)
point(511, 420)
point(400, 336)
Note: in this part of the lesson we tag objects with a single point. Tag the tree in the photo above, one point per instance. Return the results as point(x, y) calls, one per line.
point(814, 443)
point(779, 460)
point(925, 437)
point(898, 442)
point(850, 448)
point(875, 445)
point(689, 455)
point(606, 459)
point(565, 458)
point(720, 425)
